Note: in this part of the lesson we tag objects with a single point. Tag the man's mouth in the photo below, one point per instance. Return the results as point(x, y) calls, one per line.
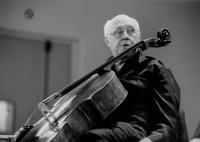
point(126, 45)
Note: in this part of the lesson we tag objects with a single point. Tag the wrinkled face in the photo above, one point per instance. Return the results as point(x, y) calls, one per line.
point(122, 37)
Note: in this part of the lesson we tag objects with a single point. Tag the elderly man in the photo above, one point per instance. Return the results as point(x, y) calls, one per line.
point(150, 111)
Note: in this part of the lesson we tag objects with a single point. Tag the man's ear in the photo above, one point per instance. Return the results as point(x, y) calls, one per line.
point(107, 41)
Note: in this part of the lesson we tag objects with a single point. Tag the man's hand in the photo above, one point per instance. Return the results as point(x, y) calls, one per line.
point(145, 140)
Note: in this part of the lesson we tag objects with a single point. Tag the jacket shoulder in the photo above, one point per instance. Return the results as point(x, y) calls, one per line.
point(152, 61)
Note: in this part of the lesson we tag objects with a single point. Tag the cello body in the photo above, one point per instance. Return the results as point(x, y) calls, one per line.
point(81, 109)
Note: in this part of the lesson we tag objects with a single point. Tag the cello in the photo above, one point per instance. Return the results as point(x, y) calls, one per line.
point(84, 103)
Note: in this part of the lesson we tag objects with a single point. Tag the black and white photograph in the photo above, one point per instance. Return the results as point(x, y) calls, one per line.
point(99, 71)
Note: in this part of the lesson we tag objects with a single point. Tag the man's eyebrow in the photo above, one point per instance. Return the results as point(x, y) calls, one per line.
point(131, 26)
point(118, 27)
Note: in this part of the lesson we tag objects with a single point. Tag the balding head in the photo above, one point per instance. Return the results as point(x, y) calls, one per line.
point(111, 24)
point(121, 33)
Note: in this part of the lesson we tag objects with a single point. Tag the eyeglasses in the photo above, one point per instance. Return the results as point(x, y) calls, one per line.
point(119, 31)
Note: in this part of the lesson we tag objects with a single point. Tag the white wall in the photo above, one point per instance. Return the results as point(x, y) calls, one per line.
point(84, 20)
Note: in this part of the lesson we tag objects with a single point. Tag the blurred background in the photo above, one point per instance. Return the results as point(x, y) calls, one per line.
point(47, 44)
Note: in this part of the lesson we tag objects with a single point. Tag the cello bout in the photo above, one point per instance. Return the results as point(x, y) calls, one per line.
point(79, 110)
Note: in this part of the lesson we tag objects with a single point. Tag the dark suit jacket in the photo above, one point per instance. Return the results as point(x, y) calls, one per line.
point(150, 109)
point(153, 100)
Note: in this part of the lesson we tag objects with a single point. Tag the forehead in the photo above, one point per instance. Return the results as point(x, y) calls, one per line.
point(121, 23)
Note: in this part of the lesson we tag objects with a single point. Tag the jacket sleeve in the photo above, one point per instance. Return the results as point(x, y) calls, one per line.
point(166, 103)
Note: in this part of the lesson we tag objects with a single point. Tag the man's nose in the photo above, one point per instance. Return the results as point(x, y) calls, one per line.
point(125, 34)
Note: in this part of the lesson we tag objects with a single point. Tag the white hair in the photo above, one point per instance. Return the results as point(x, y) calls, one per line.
point(112, 23)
